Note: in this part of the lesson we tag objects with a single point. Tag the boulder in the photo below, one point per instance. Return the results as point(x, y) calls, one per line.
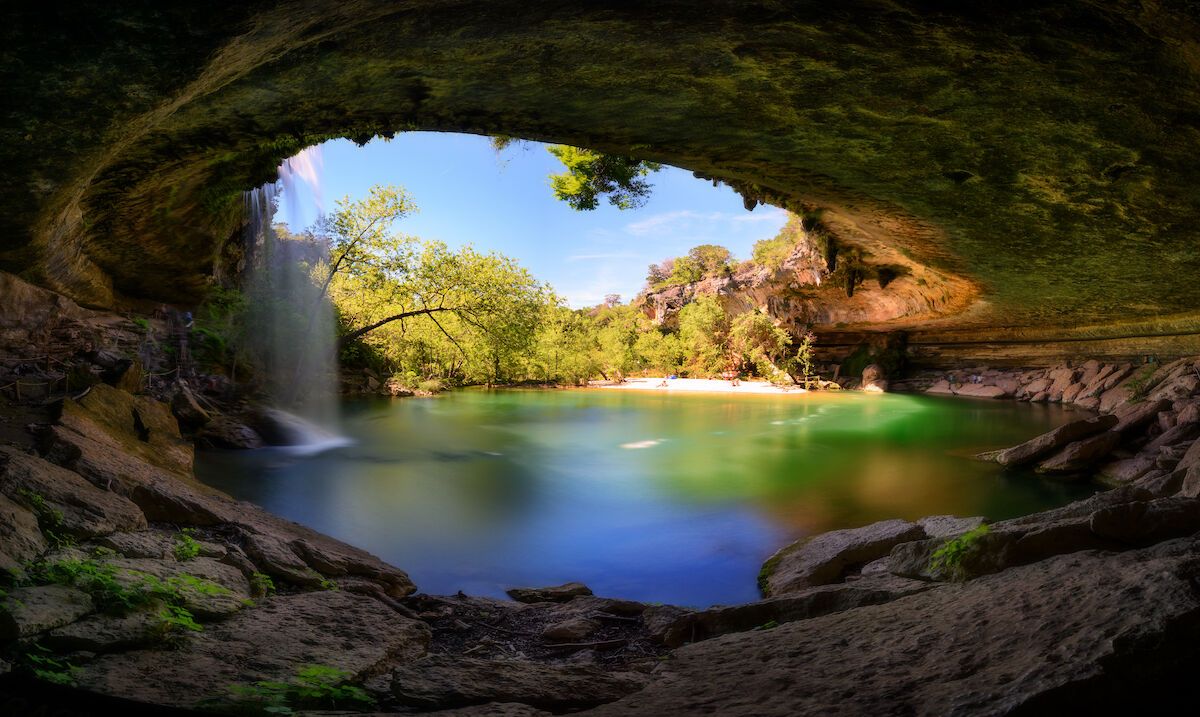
point(224, 432)
point(1127, 470)
point(28, 611)
point(1036, 448)
point(825, 558)
point(1189, 413)
point(941, 388)
point(1080, 455)
point(276, 558)
point(874, 379)
point(975, 390)
point(187, 410)
point(1136, 416)
point(1160, 484)
point(557, 593)
point(445, 681)
point(1181, 387)
point(1182, 433)
point(63, 501)
point(1033, 388)
point(1071, 392)
point(268, 642)
point(575, 629)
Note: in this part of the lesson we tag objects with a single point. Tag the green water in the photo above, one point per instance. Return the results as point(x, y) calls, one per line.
point(674, 499)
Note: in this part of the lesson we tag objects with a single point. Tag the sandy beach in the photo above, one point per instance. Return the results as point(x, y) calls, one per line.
point(700, 385)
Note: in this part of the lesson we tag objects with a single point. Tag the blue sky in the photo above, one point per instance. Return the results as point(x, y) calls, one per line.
point(467, 194)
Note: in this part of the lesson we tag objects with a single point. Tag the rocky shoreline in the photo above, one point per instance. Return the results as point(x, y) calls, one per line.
point(128, 578)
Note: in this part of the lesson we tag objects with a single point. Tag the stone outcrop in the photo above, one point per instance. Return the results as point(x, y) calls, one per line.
point(825, 558)
point(1041, 446)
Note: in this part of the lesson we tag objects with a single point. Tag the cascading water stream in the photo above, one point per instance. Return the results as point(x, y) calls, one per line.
point(291, 322)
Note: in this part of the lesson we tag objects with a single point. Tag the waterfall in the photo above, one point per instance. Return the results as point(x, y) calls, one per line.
point(291, 327)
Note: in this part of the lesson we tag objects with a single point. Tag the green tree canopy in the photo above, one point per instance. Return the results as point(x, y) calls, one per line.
point(590, 175)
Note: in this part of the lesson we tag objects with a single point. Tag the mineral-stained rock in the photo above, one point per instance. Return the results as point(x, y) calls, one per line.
point(1083, 630)
point(76, 507)
point(1080, 455)
point(28, 611)
point(444, 681)
point(558, 593)
point(1045, 444)
point(824, 558)
point(575, 629)
point(269, 641)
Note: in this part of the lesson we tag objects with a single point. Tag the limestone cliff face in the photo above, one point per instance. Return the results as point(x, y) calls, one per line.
point(821, 286)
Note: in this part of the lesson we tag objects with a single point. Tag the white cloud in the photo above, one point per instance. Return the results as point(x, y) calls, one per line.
point(688, 220)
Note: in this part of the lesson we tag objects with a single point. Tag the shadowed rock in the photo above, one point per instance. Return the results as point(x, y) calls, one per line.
point(1045, 444)
point(558, 593)
point(824, 558)
point(1080, 455)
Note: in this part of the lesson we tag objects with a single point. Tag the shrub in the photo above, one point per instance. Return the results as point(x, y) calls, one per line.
point(313, 687)
point(186, 546)
point(948, 559)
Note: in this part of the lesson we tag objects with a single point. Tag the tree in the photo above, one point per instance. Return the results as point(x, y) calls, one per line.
point(590, 175)
point(755, 342)
point(771, 253)
point(704, 335)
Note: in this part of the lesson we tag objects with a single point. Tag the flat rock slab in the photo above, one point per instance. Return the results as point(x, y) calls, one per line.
point(20, 538)
point(28, 611)
point(267, 642)
point(446, 681)
point(1080, 455)
point(108, 633)
point(81, 509)
point(557, 593)
point(1074, 630)
point(1045, 444)
point(824, 558)
point(207, 602)
point(948, 526)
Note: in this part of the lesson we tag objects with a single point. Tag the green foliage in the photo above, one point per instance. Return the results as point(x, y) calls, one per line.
point(590, 175)
point(758, 345)
point(42, 663)
point(1138, 386)
point(219, 330)
point(700, 262)
point(121, 592)
point(142, 323)
point(948, 559)
point(49, 518)
point(313, 687)
point(261, 585)
point(771, 253)
point(328, 584)
point(186, 546)
point(704, 334)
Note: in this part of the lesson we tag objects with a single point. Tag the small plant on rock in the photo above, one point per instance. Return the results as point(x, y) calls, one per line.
point(261, 585)
point(186, 545)
point(948, 559)
point(313, 687)
point(49, 518)
point(42, 663)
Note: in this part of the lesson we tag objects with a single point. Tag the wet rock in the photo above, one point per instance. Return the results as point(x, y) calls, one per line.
point(28, 611)
point(20, 537)
point(908, 656)
point(187, 410)
point(825, 558)
point(558, 593)
point(1080, 455)
point(446, 681)
point(1036, 448)
point(803, 605)
point(74, 506)
point(269, 641)
point(224, 432)
point(573, 630)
